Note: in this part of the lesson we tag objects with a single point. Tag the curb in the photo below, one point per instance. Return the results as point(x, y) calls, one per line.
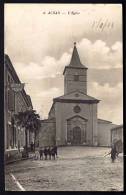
point(13, 161)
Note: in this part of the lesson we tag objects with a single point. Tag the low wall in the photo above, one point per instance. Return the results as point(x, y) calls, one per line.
point(13, 155)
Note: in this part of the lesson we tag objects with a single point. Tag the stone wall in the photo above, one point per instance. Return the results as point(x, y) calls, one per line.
point(47, 133)
point(70, 85)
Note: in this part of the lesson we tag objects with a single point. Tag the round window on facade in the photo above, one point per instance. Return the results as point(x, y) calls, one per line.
point(77, 109)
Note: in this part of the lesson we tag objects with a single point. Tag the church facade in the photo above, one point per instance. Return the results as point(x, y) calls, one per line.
point(72, 119)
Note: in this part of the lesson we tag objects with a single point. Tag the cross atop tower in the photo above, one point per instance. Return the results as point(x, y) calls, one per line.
point(74, 43)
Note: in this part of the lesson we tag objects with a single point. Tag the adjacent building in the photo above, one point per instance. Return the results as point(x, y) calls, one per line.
point(104, 132)
point(14, 102)
point(117, 134)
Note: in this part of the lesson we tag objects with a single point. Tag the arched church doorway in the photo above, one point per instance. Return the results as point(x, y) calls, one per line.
point(76, 130)
point(76, 135)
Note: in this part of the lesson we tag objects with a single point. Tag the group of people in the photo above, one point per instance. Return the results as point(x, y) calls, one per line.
point(46, 153)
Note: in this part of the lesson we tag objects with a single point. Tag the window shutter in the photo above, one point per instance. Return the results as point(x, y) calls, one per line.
point(11, 100)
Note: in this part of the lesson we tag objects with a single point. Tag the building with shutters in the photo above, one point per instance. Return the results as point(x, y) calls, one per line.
point(14, 102)
point(72, 119)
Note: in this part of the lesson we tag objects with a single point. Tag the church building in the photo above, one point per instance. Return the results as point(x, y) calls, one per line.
point(72, 119)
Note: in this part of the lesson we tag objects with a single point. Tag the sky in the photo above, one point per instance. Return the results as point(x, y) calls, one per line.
point(39, 41)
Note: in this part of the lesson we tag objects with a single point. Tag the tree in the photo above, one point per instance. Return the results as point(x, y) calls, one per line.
point(29, 120)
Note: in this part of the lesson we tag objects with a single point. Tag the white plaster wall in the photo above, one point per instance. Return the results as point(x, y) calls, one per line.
point(65, 111)
point(47, 133)
point(51, 113)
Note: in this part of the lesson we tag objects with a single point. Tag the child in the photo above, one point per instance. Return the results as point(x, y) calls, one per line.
point(36, 155)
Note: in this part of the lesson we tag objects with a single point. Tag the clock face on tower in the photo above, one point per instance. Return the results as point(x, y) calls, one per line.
point(77, 109)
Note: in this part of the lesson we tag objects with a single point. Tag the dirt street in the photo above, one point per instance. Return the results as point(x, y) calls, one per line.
point(75, 169)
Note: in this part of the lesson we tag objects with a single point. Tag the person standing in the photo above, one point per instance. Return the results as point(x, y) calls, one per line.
point(45, 153)
point(32, 146)
point(36, 154)
point(53, 152)
point(55, 149)
point(113, 154)
point(41, 152)
point(49, 152)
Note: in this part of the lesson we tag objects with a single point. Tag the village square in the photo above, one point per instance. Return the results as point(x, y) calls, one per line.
point(81, 140)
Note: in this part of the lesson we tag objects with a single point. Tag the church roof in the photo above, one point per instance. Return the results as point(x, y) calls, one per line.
point(117, 127)
point(76, 96)
point(75, 60)
point(103, 121)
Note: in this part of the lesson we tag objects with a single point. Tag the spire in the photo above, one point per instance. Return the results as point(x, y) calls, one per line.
point(75, 59)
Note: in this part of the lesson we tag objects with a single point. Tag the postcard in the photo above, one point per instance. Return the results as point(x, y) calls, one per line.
point(63, 97)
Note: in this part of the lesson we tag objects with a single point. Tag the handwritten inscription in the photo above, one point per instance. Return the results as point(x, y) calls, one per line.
point(102, 24)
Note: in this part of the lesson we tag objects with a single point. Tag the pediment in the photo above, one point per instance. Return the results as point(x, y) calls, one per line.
point(77, 116)
point(76, 95)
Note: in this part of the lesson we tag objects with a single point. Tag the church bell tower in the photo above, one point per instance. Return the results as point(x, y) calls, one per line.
point(75, 74)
